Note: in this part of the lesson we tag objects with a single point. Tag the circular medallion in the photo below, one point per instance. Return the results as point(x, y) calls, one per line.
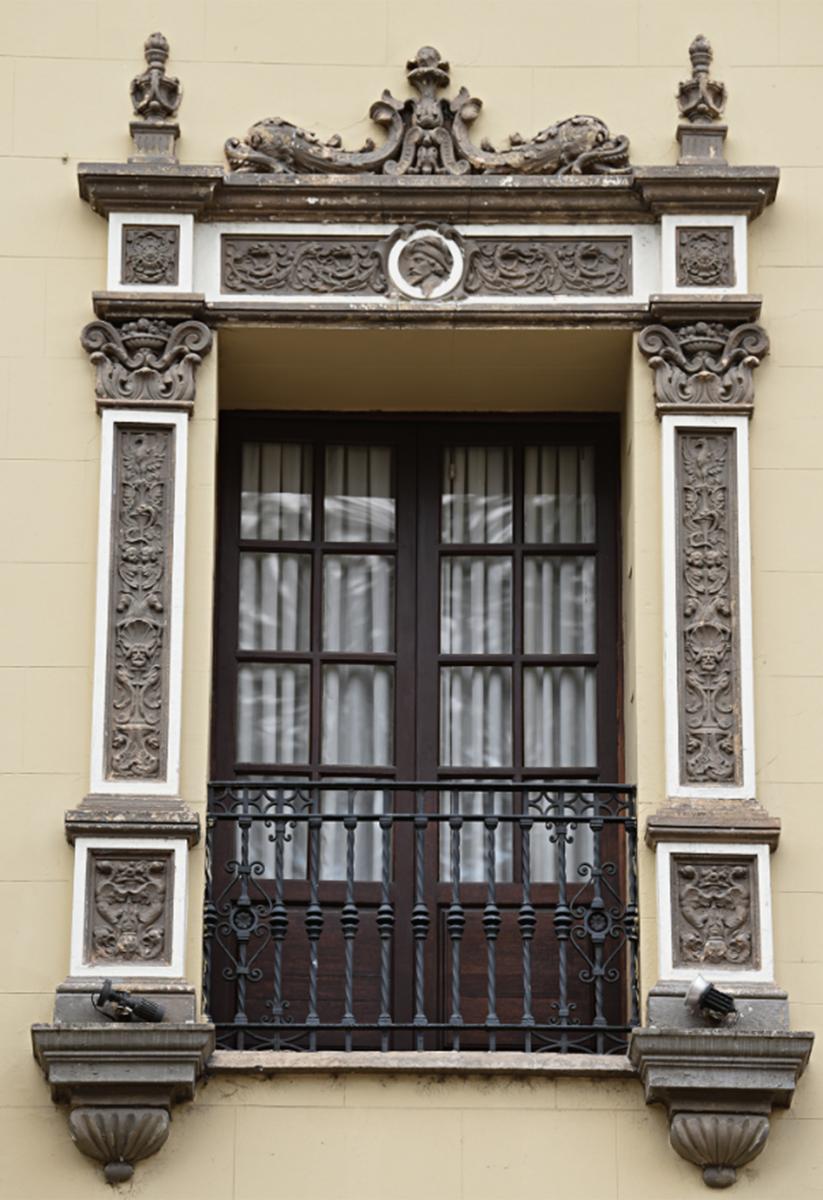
point(425, 264)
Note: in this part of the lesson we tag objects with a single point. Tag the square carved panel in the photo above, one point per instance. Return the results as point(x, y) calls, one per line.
point(128, 907)
point(715, 907)
point(704, 256)
point(150, 255)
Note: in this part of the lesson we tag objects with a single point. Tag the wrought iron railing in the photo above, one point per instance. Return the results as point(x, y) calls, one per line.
point(452, 915)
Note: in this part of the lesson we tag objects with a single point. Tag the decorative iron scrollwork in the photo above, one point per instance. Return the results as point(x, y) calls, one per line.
point(429, 135)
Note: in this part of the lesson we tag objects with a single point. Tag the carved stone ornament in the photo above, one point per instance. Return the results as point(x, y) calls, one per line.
point(425, 262)
point(705, 256)
point(710, 721)
point(714, 906)
point(302, 265)
point(556, 266)
point(137, 674)
point(155, 98)
point(129, 903)
point(718, 1143)
point(705, 367)
point(701, 99)
point(429, 135)
point(147, 362)
point(118, 1137)
point(150, 255)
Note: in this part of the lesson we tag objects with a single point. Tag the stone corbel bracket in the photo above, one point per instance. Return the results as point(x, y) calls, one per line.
point(719, 1088)
point(120, 1082)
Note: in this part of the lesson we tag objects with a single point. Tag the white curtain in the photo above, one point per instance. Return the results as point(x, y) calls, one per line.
point(276, 490)
point(559, 499)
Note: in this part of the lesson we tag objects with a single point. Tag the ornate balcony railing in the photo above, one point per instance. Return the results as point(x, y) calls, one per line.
point(420, 916)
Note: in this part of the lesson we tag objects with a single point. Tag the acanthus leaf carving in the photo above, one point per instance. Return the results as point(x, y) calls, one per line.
point(295, 264)
point(146, 361)
point(428, 135)
point(129, 917)
point(706, 365)
point(713, 909)
point(551, 266)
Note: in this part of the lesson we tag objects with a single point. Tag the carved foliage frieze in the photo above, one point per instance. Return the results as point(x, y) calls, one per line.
point(302, 265)
point(714, 912)
point(129, 907)
point(706, 366)
point(150, 254)
point(148, 361)
point(429, 135)
point(708, 634)
point(587, 266)
point(704, 256)
point(137, 681)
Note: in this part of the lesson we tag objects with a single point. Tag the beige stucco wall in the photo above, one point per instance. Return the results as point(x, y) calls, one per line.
point(64, 72)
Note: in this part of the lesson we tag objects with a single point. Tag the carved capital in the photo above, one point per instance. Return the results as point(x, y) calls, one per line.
point(147, 363)
point(705, 367)
point(118, 1137)
point(718, 1143)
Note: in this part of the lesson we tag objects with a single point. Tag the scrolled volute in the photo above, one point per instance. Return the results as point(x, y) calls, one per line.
point(429, 135)
point(148, 361)
point(705, 366)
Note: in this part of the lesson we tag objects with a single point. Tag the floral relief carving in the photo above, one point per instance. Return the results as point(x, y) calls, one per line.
point(705, 256)
point(713, 907)
point(147, 361)
point(551, 266)
point(135, 736)
point(429, 135)
point(705, 366)
point(710, 718)
point(296, 264)
point(150, 254)
point(129, 908)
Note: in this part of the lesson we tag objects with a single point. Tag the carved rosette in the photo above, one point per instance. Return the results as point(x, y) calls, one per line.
point(148, 362)
point(150, 255)
point(429, 135)
point(704, 256)
point(714, 902)
point(118, 1137)
point(718, 1143)
point(129, 903)
point(708, 636)
point(705, 367)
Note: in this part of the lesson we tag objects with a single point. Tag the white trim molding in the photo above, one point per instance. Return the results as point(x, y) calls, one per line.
point(746, 920)
point(182, 222)
point(740, 594)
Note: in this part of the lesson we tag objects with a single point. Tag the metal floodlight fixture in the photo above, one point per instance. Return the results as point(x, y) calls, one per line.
point(122, 1006)
point(705, 999)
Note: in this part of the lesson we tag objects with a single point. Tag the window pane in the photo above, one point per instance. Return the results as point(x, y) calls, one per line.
point(475, 605)
point(475, 716)
point(473, 836)
point(275, 601)
point(558, 605)
point(358, 715)
point(559, 717)
point(359, 502)
point(273, 713)
point(368, 836)
point(358, 602)
point(275, 502)
point(477, 494)
point(559, 503)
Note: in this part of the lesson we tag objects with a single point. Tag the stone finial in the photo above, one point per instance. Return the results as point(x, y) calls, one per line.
point(155, 98)
point(701, 101)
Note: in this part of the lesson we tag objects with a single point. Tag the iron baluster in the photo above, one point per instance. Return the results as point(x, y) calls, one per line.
point(420, 920)
point(455, 918)
point(349, 918)
point(385, 923)
point(562, 919)
point(631, 915)
point(597, 921)
point(243, 919)
point(491, 917)
point(279, 918)
point(210, 915)
point(314, 914)
point(527, 920)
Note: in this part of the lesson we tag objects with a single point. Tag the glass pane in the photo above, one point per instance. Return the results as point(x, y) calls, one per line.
point(275, 602)
point(473, 837)
point(475, 605)
point(559, 504)
point(359, 502)
point(264, 835)
point(558, 605)
point(358, 602)
point(475, 716)
point(273, 713)
point(275, 501)
point(358, 715)
point(559, 716)
point(477, 494)
point(368, 836)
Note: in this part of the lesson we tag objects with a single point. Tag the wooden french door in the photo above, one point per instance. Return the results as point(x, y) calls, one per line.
point(417, 601)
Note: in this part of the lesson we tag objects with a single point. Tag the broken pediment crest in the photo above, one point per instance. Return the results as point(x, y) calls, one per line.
point(430, 135)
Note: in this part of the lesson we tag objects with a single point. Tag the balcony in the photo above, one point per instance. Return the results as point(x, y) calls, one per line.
point(374, 915)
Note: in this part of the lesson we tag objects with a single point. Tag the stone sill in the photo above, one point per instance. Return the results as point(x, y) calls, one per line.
point(454, 1062)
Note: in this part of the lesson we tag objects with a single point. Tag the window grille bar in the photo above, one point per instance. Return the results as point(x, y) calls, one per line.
point(456, 917)
point(420, 920)
point(314, 916)
point(385, 923)
point(527, 920)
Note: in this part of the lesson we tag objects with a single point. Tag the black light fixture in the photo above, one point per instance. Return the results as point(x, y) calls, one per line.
point(704, 998)
point(121, 1006)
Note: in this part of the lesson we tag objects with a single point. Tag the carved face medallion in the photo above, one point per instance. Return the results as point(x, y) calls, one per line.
point(425, 264)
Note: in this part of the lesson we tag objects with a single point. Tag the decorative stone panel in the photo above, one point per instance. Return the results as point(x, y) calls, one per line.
point(150, 255)
point(705, 256)
point(302, 265)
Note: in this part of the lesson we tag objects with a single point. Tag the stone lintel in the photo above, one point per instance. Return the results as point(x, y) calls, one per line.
point(713, 821)
point(132, 816)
